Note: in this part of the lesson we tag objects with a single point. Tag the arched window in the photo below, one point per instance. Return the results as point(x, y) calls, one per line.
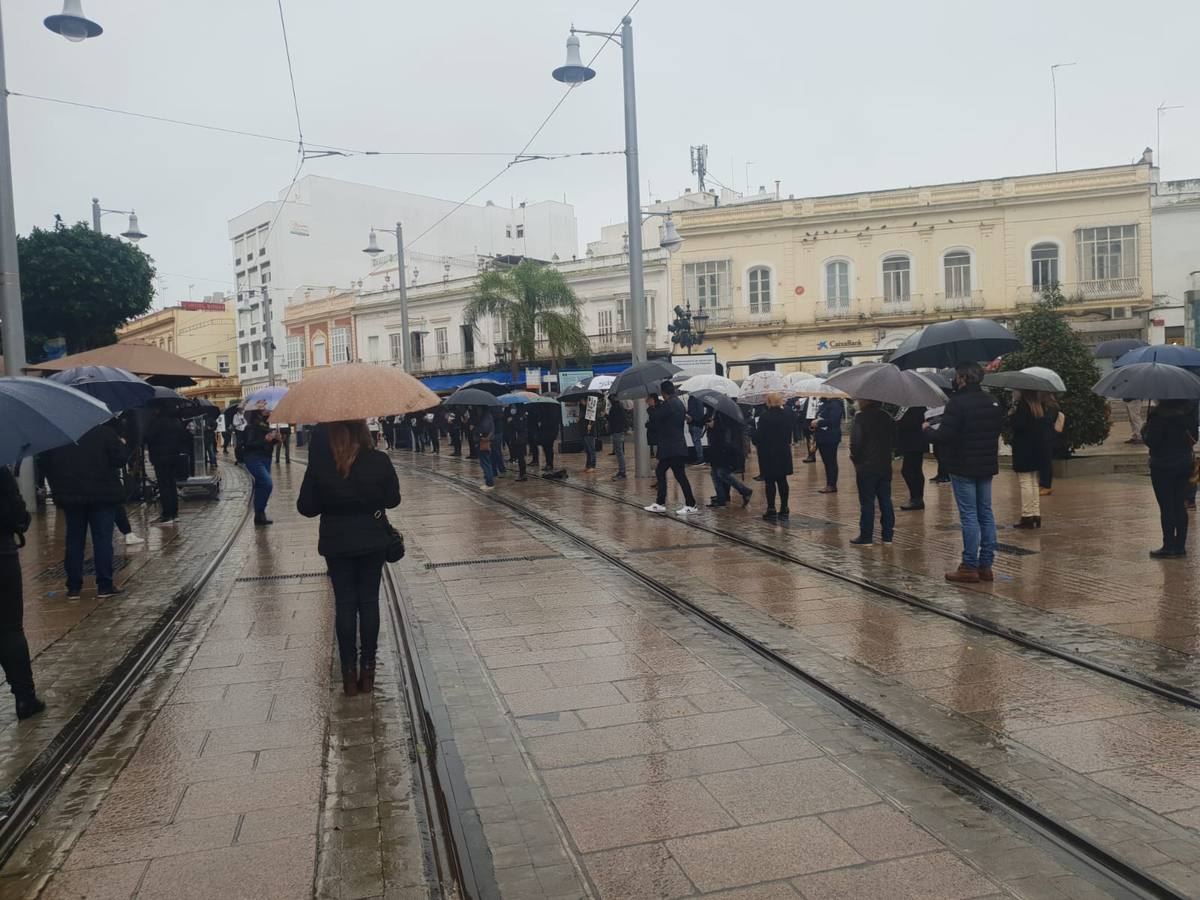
point(1043, 259)
point(760, 289)
point(837, 284)
point(897, 274)
point(319, 356)
point(957, 266)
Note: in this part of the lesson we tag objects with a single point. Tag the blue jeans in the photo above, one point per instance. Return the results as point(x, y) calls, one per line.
point(98, 518)
point(723, 479)
point(697, 432)
point(487, 464)
point(589, 450)
point(974, 499)
point(870, 489)
point(618, 439)
point(497, 454)
point(260, 470)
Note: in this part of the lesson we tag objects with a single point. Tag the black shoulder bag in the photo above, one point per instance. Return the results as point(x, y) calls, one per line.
point(394, 551)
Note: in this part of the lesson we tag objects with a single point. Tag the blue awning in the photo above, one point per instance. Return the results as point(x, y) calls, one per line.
point(440, 384)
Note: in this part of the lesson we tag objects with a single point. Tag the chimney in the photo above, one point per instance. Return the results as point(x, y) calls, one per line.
point(1148, 156)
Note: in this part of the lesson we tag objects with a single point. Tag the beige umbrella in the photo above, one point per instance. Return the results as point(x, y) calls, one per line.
point(156, 365)
point(353, 391)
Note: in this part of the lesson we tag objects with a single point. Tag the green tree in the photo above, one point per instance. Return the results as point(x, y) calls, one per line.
point(1047, 339)
point(80, 285)
point(532, 299)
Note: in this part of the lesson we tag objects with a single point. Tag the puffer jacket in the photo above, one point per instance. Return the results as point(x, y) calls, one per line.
point(88, 471)
point(1170, 434)
point(347, 506)
point(872, 436)
point(969, 434)
point(14, 517)
point(667, 422)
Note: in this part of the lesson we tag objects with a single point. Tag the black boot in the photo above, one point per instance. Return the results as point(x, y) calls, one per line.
point(30, 706)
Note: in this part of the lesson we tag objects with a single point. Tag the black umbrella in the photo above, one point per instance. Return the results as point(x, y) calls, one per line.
point(943, 378)
point(164, 396)
point(490, 385)
point(1117, 348)
point(471, 396)
point(1149, 381)
point(643, 379)
point(953, 342)
point(722, 403)
point(117, 389)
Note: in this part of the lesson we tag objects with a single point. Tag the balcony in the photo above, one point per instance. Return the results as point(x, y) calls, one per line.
point(1100, 291)
point(729, 317)
point(954, 303)
point(906, 307)
point(826, 310)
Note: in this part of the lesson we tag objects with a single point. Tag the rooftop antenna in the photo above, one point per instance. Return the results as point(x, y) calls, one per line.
point(700, 165)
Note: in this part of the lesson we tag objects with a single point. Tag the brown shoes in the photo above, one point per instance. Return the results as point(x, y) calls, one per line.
point(964, 575)
point(986, 574)
point(350, 681)
point(1045, 492)
point(366, 684)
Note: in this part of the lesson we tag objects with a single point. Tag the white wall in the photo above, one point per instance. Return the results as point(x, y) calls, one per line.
point(1175, 225)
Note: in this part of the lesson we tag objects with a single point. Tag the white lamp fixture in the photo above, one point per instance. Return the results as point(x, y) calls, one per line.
point(573, 71)
point(72, 24)
point(133, 233)
point(372, 248)
point(669, 239)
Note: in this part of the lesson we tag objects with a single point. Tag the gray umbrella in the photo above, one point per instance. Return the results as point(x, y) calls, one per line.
point(956, 341)
point(39, 415)
point(1117, 348)
point(1019, 381)
point(722, 403)
point(885, 383)
point(1149, 381)
point(491, 385)
point(643, 379)
point(471, 397)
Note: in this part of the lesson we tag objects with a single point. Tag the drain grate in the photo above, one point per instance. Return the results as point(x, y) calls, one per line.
point(89, 568)
point(1014, 550)
point(282, 577)
point(488, 560)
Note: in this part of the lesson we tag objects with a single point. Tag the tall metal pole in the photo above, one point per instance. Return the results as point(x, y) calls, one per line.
point(406, 360)
point(268, 340)
point(1054, 102)
point(95, 214)
point(11, 317)
point(637, 292)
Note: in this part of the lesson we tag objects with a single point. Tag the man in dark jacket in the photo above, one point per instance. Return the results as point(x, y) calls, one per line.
point(969, 438)
point(912, 444)
point(697, 418)
point(14, 648)
point(485, 431)
point(725, 457)
point(166, 439)
point(85, 481)
point(516, 433)
point(667, 421)
point(872, 436)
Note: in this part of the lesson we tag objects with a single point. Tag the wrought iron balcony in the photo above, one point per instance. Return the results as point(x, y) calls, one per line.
point(1102, 291)
point(964, 302)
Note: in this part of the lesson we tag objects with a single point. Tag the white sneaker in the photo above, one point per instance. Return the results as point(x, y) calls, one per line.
point(684, 510)
point(132, 538)
point(655, 507)
point(487, 487)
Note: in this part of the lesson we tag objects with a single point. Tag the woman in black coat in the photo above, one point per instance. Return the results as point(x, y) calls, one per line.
point(14, 649)
point(773, 438)
point(1032, 428)
point(349, 488)
point(1170, 433)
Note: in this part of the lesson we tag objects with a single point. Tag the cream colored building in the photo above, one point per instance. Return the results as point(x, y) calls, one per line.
point(203, 331)
point(811, 276)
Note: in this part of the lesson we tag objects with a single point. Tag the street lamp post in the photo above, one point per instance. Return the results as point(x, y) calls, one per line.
point(132, 233)
point(72, 25)
point(373, 249)
point(575, 72)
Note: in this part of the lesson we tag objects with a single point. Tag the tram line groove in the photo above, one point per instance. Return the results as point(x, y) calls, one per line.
point(987, 793)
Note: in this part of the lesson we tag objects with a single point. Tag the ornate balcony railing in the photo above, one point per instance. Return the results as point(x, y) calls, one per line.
point(966, 302)
point(1102, 290)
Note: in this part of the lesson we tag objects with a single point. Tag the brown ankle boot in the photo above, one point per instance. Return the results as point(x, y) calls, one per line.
point(366, 684)
point(1026, 522)
point(986, 574)
point(350, 681)
point(963, 575)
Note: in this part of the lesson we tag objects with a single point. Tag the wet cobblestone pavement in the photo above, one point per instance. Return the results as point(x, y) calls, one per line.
point(590, 738)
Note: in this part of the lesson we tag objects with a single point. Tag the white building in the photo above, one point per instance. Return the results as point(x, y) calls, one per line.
point(320, 229)
point(1175, 228)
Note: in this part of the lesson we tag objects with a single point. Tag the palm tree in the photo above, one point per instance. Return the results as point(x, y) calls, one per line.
point(532, 298)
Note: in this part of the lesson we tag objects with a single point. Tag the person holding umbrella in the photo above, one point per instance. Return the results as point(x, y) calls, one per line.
point(872, 436)
point(773, 439)
point(1170, 434)
point(913, 445)
point(166, 439)
point(969, 436)
point(618, 424)
point(516, 428)
point(827, 433)
point(257, 443)
point(14, 648)
point(666, 422)
point(1032, 440)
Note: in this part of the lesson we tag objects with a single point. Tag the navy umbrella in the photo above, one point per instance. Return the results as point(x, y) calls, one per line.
point(1169, 354)
point(1149, 381)
point(953, 342)
point(1117, 348)
point(490, 385)
point(117, 389)
point(470, 396)
point(40, 414)
point(722, 403)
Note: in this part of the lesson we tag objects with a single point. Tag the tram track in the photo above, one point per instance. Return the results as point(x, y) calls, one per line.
point(1136, 679)
point(28, 796)
point(1117, 874)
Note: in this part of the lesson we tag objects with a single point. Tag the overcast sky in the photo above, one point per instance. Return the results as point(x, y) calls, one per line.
point(826, 97)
